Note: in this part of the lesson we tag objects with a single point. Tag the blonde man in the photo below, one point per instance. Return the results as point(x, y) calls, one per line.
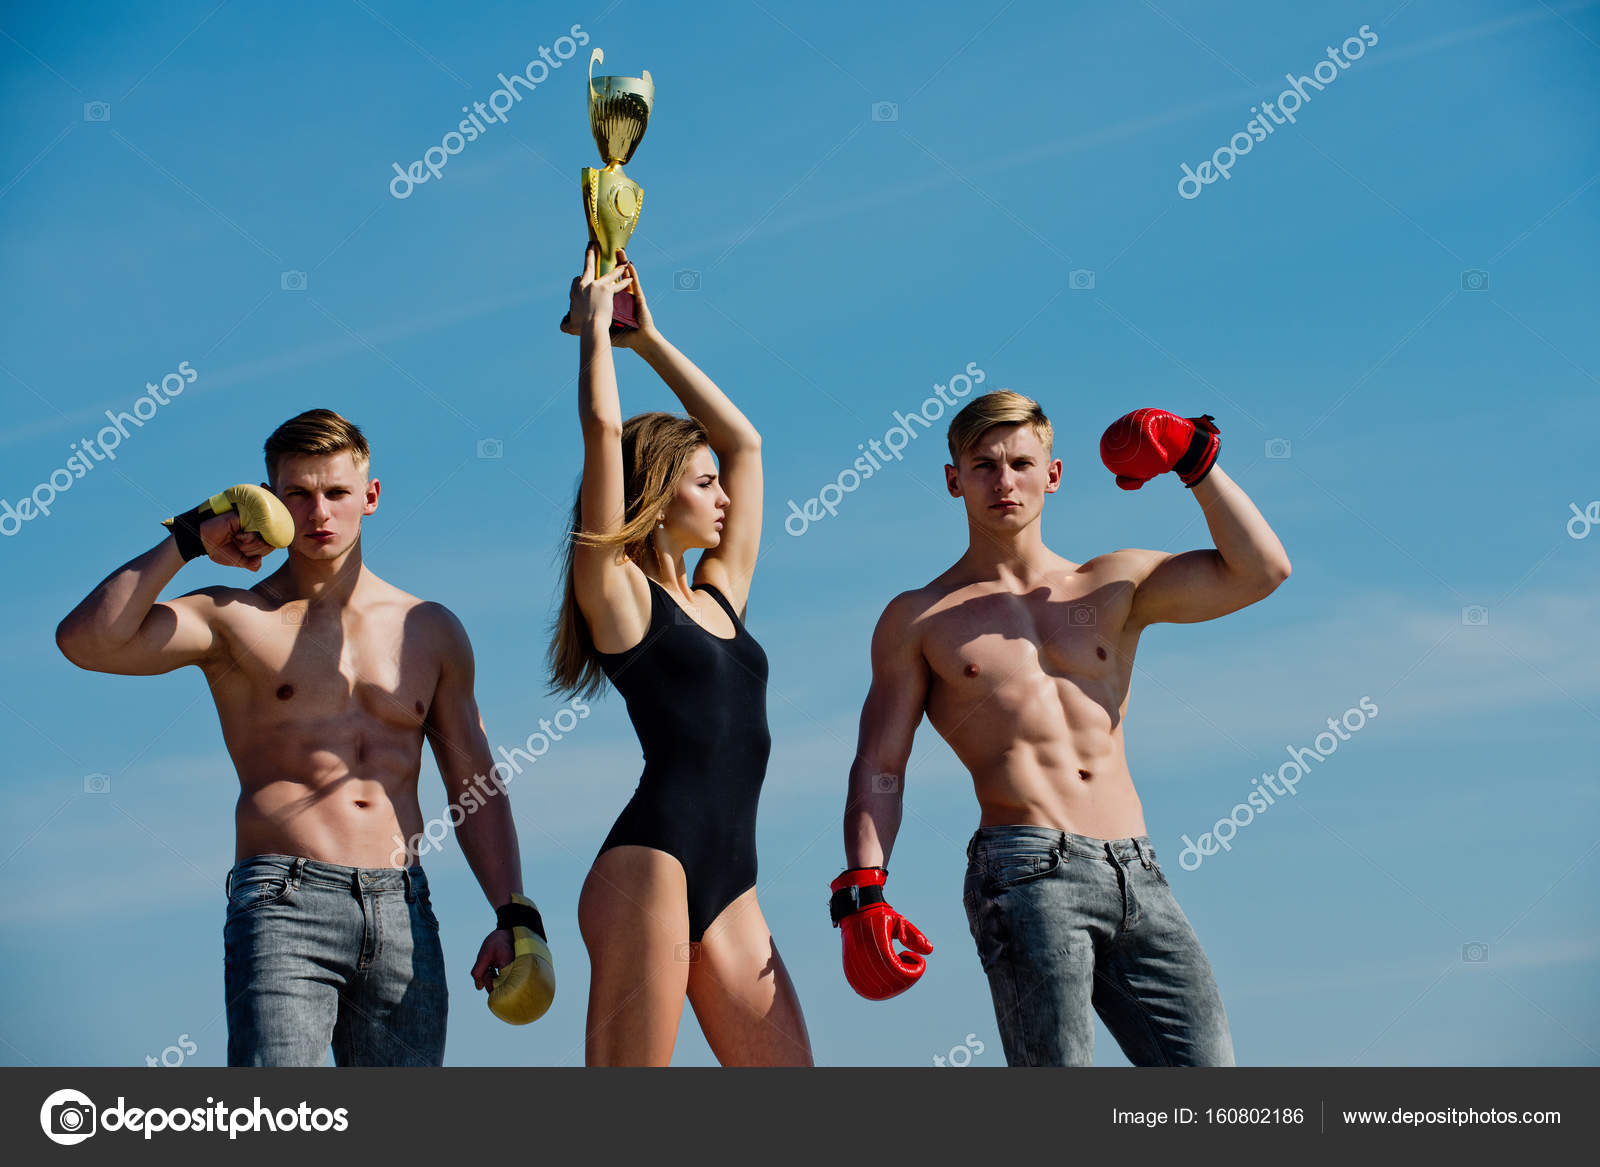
point(1022, 661)
point(326, 680)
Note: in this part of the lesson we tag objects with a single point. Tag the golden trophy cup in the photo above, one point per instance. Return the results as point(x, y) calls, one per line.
point(619, 111)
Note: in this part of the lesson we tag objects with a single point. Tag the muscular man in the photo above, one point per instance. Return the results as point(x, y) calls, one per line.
point(1022, 661)
point(326, 680)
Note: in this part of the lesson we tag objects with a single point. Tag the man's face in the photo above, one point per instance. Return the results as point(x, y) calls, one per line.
point(1004, 477)
point(327, 495)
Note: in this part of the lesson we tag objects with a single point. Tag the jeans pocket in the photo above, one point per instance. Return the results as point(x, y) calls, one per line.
point(1009, 869)
point(425, 910)
point(256, 891)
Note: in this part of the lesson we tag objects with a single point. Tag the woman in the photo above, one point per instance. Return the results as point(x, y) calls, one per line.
point(669, 908)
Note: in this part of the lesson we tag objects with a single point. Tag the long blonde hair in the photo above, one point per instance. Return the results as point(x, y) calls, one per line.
point(656, 449)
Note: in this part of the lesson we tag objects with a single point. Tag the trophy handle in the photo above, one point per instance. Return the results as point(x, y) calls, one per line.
point(595, 58)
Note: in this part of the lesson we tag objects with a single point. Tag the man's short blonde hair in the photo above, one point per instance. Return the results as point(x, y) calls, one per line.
point(316, 431)
point(982, 414)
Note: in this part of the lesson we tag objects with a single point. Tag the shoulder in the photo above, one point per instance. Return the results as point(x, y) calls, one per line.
point(219, 597)
point(221, 604)
point(1133, 564)
point(903, 616)
point(437, 622)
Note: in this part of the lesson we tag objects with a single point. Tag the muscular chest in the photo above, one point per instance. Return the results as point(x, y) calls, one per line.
point(299, 665)
point(986, 643)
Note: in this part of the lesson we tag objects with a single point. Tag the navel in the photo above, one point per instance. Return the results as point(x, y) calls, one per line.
point(360, 803)
point(1084, 774)
point(1099, 651)
point(420, 709)
point(971, 670)
point(285, 692)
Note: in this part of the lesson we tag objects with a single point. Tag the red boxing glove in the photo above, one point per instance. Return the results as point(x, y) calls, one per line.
point(1148, 442)
point(868, 927)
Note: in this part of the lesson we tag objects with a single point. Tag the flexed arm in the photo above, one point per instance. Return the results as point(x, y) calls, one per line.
point(1248, 562)
point(735, 441)
point(120, 628)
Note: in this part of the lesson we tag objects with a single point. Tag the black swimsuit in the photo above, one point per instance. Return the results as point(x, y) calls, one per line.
point(699, 705)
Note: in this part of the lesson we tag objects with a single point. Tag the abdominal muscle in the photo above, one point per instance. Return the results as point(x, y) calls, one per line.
point(341, 791)
point(1051, 759)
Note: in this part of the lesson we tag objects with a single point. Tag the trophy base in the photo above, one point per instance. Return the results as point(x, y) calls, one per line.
point(623, 316)
point(624, 313)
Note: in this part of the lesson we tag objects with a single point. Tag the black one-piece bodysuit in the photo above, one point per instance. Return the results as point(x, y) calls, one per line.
point(698, 702)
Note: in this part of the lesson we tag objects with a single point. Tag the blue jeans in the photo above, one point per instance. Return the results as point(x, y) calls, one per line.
point(1064, 922)
point(317, 954)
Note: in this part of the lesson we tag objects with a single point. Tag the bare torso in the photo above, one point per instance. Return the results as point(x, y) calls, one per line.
point(1030, 691)
point(322, 708)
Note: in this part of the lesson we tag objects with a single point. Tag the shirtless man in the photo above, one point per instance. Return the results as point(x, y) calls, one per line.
point(326, 680)
point(1022, 661)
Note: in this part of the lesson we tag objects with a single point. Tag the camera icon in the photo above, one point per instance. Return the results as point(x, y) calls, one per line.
point(885, 111)
point(1474, 279)
point(1474, 615)
point(688, 952)
point(1277, 447)
point(885, 783)
point(687, 280)
point(97, 783)
point(1080, 279)
point(97, 111)
point(1083, 616)
point(68, 1117)
point(1475, 953)
point(491, 448)
point(292, 281)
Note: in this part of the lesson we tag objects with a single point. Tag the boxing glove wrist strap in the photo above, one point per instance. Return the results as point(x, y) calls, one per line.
point(186, 531)
point(851, 898)
point(515, 915)
point(1199, 443)
point(186, 527)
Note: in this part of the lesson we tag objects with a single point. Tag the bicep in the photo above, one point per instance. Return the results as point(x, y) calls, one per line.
point(731, 564)
point(173, 634)
point(1186, 588)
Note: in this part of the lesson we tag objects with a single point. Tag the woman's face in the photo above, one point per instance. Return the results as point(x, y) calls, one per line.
point(696, 512)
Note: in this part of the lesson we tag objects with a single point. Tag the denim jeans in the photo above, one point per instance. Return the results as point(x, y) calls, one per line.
point(1064, 922)
point(317, 954)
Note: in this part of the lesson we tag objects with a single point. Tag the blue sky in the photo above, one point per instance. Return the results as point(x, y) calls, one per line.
point(1390, 291)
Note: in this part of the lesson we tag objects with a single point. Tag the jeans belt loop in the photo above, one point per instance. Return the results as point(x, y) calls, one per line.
point(1062, 845)
point(1144, 854)
point(295, 870)
point(227, 884)
point(411, 891)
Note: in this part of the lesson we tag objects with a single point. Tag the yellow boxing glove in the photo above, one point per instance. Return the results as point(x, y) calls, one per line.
point(523, 992)
point(259, 510)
